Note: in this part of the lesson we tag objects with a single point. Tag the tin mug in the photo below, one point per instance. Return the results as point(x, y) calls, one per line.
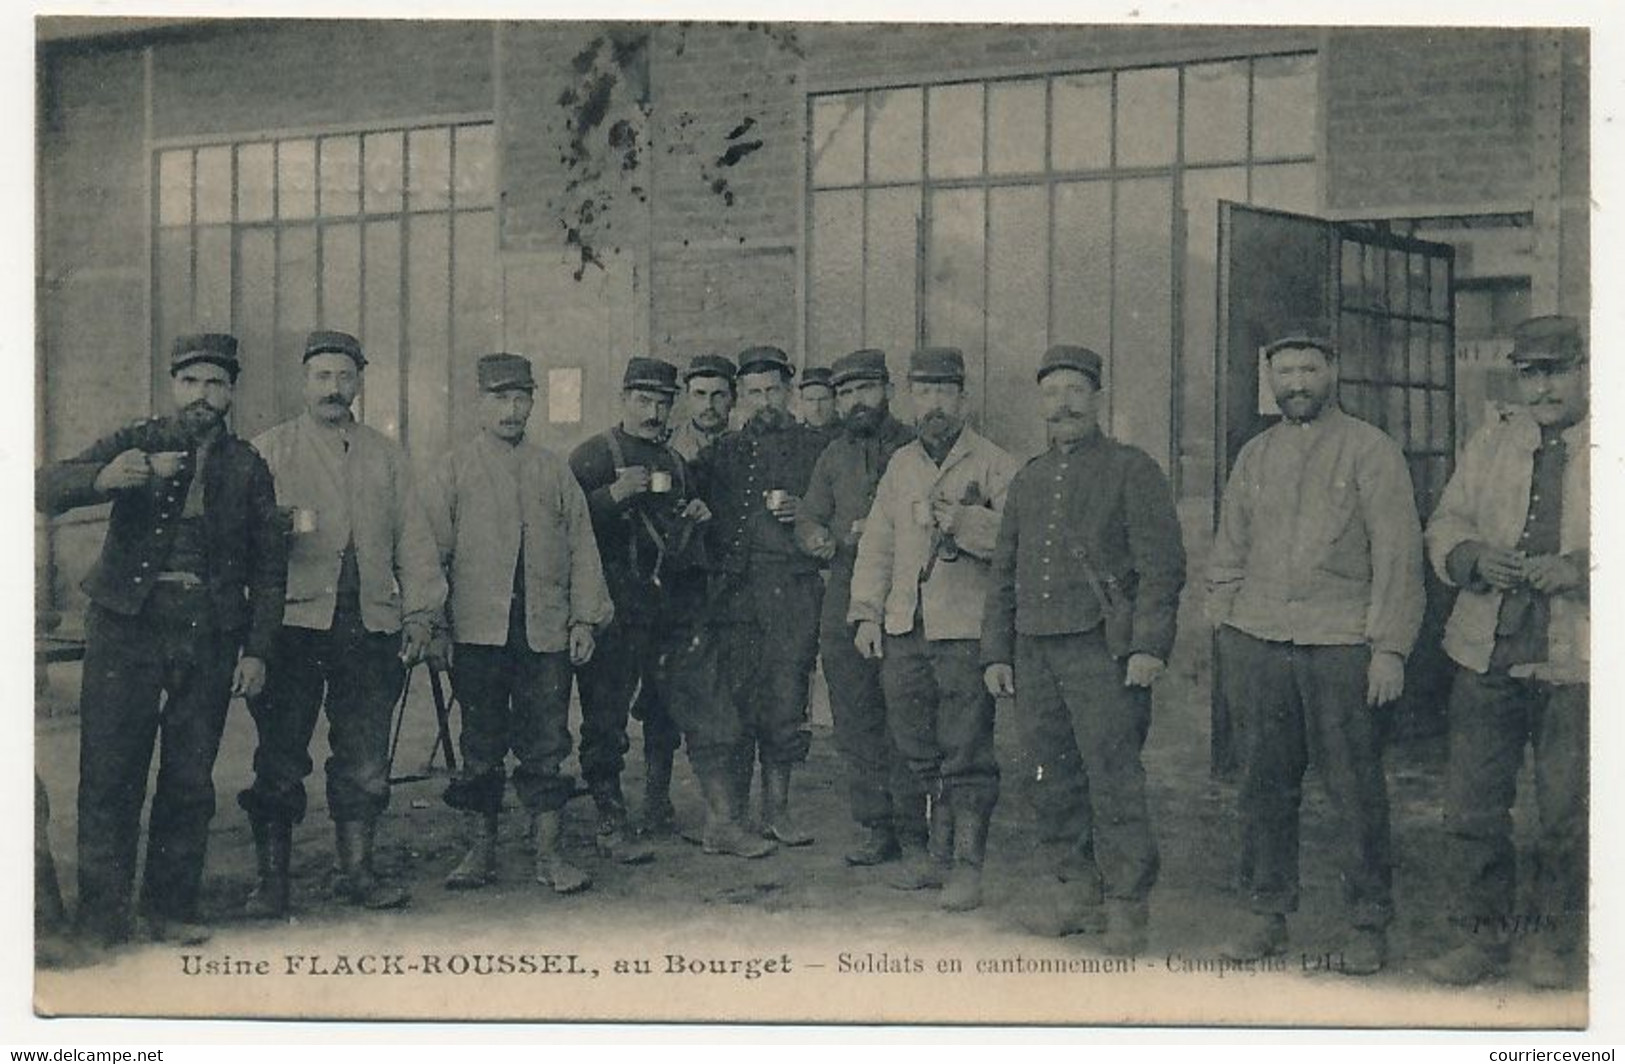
point(304, 520)
point(660, 482)
point(776, 498)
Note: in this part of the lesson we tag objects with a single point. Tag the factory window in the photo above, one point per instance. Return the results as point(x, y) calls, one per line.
point(387, 233)
point(1001, 216)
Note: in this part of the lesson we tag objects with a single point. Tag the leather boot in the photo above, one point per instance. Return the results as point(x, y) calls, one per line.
point(723, 834)
point(963, 890)
point(909, 820)
point(612, 840)
point(478, 868)
point(552, 870)
point(879, 845)
point(926, 869)
point(1126, 923)
point(776, 822)
point(658, 815)
point(273, 846)
point(1264, 935)
point(356, 882)
point(741, 767)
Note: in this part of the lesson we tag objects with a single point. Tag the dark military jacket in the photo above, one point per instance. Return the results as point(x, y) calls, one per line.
point(737, 472)
point(247, 554)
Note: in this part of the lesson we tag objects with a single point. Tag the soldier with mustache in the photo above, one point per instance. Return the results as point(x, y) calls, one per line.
point(185, 601)
point(1315, 587)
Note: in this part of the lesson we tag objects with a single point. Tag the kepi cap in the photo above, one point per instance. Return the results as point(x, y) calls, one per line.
point(217, 348)
point(1553, 338)
point(501, 372)
point(757, 359)
point(1315, 333)
point(867, 364)
point(937, 365)
point(816, 376)
point(1070, 356)
point(650, 375)
point(331, 341)
point(708, 366)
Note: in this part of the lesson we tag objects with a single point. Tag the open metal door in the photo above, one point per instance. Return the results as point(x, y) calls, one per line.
point(1390, 302)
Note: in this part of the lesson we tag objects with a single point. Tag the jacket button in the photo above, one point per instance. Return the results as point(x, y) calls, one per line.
point(138, 579)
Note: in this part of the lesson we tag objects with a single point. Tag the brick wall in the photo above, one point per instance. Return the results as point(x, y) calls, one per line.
point(1417, 118)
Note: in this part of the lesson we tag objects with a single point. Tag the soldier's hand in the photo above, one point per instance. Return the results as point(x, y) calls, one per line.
point(1143, 670)
point(1000, 680)
point(167, 464)
point(439, 653)
point(869, 641)
point(1385, 678)
point(415, 636)
point(945, 515)
point(821, 545)
point(629, 481)
point(697, 511)
point(581, 644)
point(128, 470)
point(1552, 574)
point(785, 511)
point(1502, 568)
point(249, 678)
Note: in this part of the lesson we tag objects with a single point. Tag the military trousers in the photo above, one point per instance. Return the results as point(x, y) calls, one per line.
point(356, 676)
point(165, 676)
point(623, 679)
point(513, 699)
point(769, 641)
point(1493, 718)
point(941, 716)
point(1082, 732)
point(1291, 701)
point(879, 784)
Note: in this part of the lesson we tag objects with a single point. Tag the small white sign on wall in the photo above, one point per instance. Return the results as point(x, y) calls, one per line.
point(1267, 406)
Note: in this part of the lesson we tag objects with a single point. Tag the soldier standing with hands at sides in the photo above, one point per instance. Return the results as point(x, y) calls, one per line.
point(185, 601)
point(1315, 585)
point(918, 586)
point(768, 590)
point(708, 385)
point(642, 502)
point(885, 803)
point(527, 594)
point(364, 588)
point(1079, 623)
point(1512, 531)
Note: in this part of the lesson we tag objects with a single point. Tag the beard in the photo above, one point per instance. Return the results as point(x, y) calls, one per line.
point(1303, 406)
point(770, 419)
point(864, 420)
point(937, 428)
point(199, 418)
point(1068, 425)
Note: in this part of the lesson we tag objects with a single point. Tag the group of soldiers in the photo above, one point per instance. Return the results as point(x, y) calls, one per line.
point(690, 575)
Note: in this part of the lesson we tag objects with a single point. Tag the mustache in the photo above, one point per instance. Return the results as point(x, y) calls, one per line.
point(1064, 415)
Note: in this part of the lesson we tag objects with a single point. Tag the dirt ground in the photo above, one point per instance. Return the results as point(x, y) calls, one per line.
point(847, 920)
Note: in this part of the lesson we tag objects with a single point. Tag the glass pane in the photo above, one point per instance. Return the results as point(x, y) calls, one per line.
point(429, 155)
point(341, 175)
point(175, 188)
point(837, 139)
point(896, 135)
point(1398, 295)
point(476, 166)
point(1203, 190)
point(1080, 282)
point(1083, 122)
point(1355, 343)
point(1147, 121)
point(214, 184)
point(428, 299)
point(341, 278)
point(296, 309)
point(381, 326)
point(1216, 112)
point(889, 274)
point(1395, 370)
point(1416, 435)
point(1286, 106)
point(837, 275)
point(1017, 309)
point(174, 284)
point(1291, 187)
point(474, 310)
point(1395, 415)
point(212, 309)
point(1417, 361)
point(256, 182)
point(954, 298)
point(1015, 130)
point(1440, 356)
point(956, 131)
point(255, 409)
point(381, 156)
point(1439, 415)
point(1440, 288)
point(1142, 321)
point(296, 178)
